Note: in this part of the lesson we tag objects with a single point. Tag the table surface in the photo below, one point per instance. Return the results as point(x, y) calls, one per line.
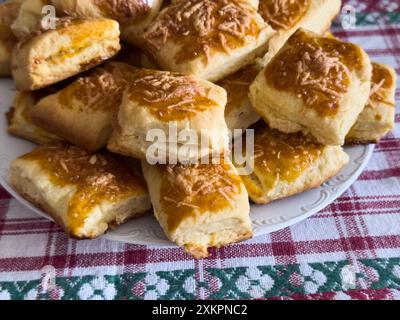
point(351, 249)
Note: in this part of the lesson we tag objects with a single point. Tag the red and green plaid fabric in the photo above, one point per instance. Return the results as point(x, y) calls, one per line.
point(350, 250)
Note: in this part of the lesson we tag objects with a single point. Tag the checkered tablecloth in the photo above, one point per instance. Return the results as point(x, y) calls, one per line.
point(350, 250)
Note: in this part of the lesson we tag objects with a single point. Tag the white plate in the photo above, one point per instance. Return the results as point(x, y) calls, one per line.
point(266, 218)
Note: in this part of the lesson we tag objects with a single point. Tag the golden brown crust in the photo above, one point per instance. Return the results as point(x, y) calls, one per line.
point(377, 118)
point(206, 38)
point(316, 69)
point(82, 112)
point(199, 206)
point(283, 14)
point(41, 60)
point(154, 100)
point(382, 82)
point(286, 16)
point(287, 164)
point(205, 26)
point(169, 96)
point(195, 189)
point(120, 10)
point(324, 80)
point(96, 187)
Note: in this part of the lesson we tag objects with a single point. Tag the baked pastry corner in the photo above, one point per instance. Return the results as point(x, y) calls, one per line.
point(82, 112)
point(20, 122)
point(286, 16)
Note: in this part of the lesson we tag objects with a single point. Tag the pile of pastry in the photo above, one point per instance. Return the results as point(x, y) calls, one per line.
point(93, 82)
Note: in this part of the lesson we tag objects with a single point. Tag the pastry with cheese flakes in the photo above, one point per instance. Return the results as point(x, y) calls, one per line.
point(315, 85)
point(82, 112)
point(47, 57)
point(20, 122)
point(288, 164)
point(377, 119)
point(210, 39)
point(199, 206)
point(173, 105)
point(286, 16)
point(85, 193)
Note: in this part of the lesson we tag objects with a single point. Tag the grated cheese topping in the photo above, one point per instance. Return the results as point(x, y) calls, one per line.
point(101, 89)
point(197, 188)
point(124, 9)
point(381, 85)
point(202, 27)
point(170, 96)
point(318, 70)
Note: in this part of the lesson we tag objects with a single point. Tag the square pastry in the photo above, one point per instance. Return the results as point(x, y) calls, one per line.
point(287, 164)
point(20, 122)
point(132, 15)
point(239, 113)
point(377, 119)
point(160, 109)
point(199, 206)
point(8, 12)
point(82, 112)
point(208, 39)
point(85, 193)
point(286, 16)
point(315, 85)
point(54, 55)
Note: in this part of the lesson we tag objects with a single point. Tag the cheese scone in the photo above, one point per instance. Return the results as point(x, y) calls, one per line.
point(208, 39)
point(199, 206)
point(377, 119)
point(82, 112)
point(315, 85)
point(133, 15)
point(85, 193)
point(171, 104)
point(20, 122)
point(8, 12)
point(287, 164)
point(29, 17)
point(54, 55)
point(286, 16)
point(239, 113)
